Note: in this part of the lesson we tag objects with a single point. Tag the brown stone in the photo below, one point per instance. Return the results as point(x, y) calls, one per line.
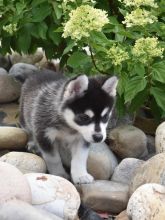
point(122, 216)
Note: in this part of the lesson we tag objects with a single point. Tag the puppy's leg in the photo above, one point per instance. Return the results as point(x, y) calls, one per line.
point(79, 164)
point(51, 155)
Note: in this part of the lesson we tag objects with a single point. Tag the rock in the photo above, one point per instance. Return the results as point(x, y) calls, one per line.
point(26, 58)
point(128, 141)
point(147, 203)
point(12, 138)
point(152, 171)
point(125, 171)
point(104, 196)
point(160, 138)
point(21, 71)
point(106, 160)
point(3, 71)
point(25, 162)
point(10, 89)
point(23, 211)
point(9, 114)
point(54, 194)
point(13, 184)
point(122, 216)
point(5, 62)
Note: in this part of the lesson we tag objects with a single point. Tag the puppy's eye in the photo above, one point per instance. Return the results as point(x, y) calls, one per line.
point(105, 118)
point(82, 119)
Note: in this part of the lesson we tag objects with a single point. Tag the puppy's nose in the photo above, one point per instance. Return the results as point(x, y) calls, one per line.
point(97, 137)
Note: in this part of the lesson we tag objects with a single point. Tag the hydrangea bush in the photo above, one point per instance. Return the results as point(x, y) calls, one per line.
point(124, 37)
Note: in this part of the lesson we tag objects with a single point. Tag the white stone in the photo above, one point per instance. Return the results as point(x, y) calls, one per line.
point(54, 194)
point(13, 184)
point(160, 138)
point(19, 210)
point(101, 161)
point(25, 162)
point(126, 169)
point(12, 138)
point(147, 203)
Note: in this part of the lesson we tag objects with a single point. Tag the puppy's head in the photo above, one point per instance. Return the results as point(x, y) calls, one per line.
point(88, 105)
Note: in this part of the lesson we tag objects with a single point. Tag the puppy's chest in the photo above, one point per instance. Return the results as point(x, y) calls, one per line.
point(64, 137)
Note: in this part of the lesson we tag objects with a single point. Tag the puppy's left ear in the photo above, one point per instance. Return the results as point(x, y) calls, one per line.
point(110, 86)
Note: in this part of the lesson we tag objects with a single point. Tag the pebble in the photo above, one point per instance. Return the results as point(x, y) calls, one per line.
point(102, 156)
point(23, 211)
point(12, 138)
point(152, 171)
point(160, 138)
point(21, 71)
point(3, 71)
point(128, 141)
point(147, 203)
point(9, 114)
point(122, 216)
point(25, 162)
point(104, 196)
point(54, 194)
point(13, 184)
point(10, 89)
point(125, 171)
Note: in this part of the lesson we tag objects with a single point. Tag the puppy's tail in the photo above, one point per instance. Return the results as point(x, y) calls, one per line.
point(86, 213)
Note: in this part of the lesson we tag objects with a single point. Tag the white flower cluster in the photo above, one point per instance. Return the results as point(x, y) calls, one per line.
point(139, 17)
point(147, 48)
point(117, 55)
point(138, 3)
point(83, 20)
point(11, 28)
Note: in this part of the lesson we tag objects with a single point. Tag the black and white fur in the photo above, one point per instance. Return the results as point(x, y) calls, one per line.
point(73, 113)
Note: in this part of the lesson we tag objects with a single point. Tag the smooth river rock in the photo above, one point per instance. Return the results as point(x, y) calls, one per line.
point(9, 114)
point(25, 162)
point(160, 138)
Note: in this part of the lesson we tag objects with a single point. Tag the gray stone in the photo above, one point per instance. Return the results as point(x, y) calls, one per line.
point(21, 71)
point(147, 203)
point(101, 161)
point(25, 162)
point(10, 89)
point(152, 171)
point(128, 141)
point(13, 184)
point(12, 138)
point(3, 71)
point(9, 114)
point(104, 196)
point(54, 194)
point(125, 171)
point(19, 210)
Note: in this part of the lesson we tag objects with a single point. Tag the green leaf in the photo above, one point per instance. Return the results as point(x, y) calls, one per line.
point(158, 71)
point(133, 87)
point(99, 37)
point(54, 36)
point(24, 40)
point(159, 95)
point(139, 69)
point(37, 2)
point(39, 30)
point(122, 83)
point(57, 10)
point(77, 59)
point(41, 12)
point(70, 45)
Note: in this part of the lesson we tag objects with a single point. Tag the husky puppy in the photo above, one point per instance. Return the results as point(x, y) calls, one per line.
point(56, 112)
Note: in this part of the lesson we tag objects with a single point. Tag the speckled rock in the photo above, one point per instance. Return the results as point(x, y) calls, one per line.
point(10, 89)
point(3, 71)
point(9, 114)
point(160, 138)
point(19, 210)
point(125, 171)
point(12, 138)
point(128, 141)
point(54, 194)
point(105, 196)
point(152, 171)
point(147, 203)
point(13, 184)
point(100, 154)
point(21, 71)
point(122, 216)
point(25, 162)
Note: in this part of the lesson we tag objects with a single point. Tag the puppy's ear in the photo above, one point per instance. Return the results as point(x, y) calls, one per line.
point(110, 86)
point(76, 87)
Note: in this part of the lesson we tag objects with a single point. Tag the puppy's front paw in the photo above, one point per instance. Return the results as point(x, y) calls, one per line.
point(83, 178)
